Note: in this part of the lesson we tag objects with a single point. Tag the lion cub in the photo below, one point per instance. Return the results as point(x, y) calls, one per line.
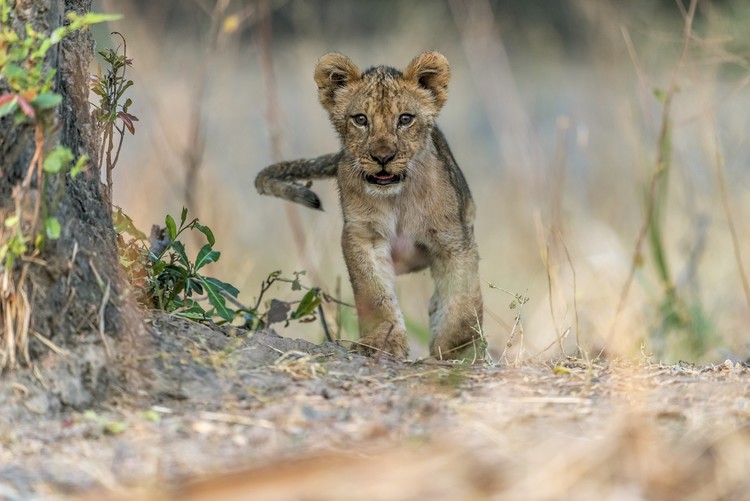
point(406, 203)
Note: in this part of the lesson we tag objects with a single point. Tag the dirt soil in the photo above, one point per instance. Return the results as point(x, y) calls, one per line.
point(228, 414)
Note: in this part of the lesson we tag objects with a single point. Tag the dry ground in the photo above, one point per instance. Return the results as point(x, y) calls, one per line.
point(228, 415)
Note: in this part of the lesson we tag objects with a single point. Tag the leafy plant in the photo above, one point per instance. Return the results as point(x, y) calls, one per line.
point(111, 88)
point(517, 303)
point(165, 278)
point(281, 311)
point(177, 278)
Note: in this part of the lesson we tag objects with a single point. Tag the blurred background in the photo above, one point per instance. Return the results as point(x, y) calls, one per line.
point(555, 115)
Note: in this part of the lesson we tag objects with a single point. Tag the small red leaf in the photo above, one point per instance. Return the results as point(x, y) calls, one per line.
point(6, 98)
point(126, 119)
point(27, 109)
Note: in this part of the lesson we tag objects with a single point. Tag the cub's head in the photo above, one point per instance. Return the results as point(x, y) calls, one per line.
point(384, 116)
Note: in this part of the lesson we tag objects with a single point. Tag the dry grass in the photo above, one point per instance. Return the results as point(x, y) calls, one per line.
point(15, 312)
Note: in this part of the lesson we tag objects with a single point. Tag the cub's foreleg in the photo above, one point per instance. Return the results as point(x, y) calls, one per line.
point(372, 275)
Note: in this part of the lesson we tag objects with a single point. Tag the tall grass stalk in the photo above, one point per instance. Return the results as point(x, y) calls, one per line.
point(674, 312)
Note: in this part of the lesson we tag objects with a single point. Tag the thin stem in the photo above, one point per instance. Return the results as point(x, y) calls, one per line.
point(724, 195)
point(39, 133)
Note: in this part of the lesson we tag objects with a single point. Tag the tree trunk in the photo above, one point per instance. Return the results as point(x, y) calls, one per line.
point(81, 311)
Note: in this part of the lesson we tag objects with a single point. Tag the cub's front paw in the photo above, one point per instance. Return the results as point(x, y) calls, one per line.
point(386, 338)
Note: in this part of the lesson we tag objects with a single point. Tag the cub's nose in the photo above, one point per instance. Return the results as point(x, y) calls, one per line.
point(382, 158)
point(382, 155)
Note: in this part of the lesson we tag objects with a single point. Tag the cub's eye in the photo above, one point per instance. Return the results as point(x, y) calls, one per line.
point(405, 120)
point(360, 120)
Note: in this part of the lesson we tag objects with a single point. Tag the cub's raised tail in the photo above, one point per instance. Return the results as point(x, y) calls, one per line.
point(281, 179)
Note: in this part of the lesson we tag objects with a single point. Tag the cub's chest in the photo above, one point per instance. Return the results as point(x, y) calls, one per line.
point(408, 254)
point(402, 238)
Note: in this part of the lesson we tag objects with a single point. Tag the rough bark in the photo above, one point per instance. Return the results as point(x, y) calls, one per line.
point(78, 296)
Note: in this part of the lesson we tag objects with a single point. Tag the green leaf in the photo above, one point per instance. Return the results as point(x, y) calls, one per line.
point(79, 167)
point(151, 415)
point(4, 11)
point(273, 276)
point(42, 50)
point(124, 88)
point(217, 300)
point(123, 223)
point(58, 34)
point(560, 370)
point(309, 303)
point(183, 216)
point(115, 427)
point(10, 221)
point(57, 160)
point(660, 95)
point(52, 164)
point(52, 228)
point(46, 100)
point(193, 310)
point(171, 228)
point(193, 284)
point(228, 288)
point(158, 266)
point(181, 254)
point(92, 416)
point(14, 72)
point(206, 231)
point(205, 256)
point(108, 55)
point(94, 17)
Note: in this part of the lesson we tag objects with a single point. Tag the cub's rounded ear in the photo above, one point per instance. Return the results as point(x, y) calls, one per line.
point(431, 71)
point(333, 72)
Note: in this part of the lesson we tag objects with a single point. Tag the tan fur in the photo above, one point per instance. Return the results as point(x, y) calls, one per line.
point(405, 202)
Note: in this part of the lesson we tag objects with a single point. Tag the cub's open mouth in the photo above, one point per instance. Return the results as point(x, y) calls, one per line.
point(383, 178)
